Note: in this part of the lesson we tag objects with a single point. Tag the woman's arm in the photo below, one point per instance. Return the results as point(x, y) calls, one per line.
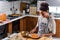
point(33, 30)
point(54, 26)
point(53, 23)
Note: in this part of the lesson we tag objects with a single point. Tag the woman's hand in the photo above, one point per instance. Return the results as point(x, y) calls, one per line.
point(32, 31)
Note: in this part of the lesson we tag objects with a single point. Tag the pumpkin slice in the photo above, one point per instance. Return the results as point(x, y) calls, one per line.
point(34, 35)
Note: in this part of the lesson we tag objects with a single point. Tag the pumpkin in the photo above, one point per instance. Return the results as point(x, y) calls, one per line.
point(0, 17)
point(3, 16)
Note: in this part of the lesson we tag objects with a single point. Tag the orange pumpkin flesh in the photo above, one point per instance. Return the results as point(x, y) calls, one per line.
point(34, 36)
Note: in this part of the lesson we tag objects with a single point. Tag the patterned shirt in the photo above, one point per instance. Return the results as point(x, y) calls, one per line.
point(46, 25)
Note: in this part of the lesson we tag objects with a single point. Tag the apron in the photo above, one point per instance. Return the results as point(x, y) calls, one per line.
point(43, 28)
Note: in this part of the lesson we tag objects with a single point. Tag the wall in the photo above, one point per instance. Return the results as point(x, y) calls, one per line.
point(54, 2)
point(41, 0)
point(5, 6)
point(28, 1)
point(38, 5)
point(16, 6)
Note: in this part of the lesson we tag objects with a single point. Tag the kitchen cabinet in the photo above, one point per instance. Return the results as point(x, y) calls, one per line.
point(3, 31)
point(15, 26)
point(22, 6)
point(23, 24)
point(57, 28)
point(27, 23)
point(31, 23)
point(9, 28)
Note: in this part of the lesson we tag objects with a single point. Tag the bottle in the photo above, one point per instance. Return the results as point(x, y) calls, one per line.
point(23, 12)
point(27, 9)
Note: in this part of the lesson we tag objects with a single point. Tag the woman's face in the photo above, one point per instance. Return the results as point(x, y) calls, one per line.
point(45, 14)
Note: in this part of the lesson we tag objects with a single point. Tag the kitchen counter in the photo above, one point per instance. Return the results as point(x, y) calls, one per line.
point(18, 36)
point(56, 18)
point(54, 38)
point(8, 21)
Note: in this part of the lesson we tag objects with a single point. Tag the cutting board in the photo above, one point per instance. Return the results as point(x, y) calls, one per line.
point(26, 38)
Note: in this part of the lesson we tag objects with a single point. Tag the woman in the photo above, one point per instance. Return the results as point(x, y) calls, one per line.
point(46, 24)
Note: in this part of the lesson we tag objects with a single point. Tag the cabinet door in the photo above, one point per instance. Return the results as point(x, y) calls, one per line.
point(21, 24)
point(27, 23)
point(24, 23)
point(22, 6)
point(3, 31)
point(31, 23)
point(57, 28)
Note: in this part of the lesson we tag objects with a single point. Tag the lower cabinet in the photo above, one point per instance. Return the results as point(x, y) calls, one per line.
point(23, 24)
point(57, 28)
point(28, 23)
point(15, 26)
point(3, 31)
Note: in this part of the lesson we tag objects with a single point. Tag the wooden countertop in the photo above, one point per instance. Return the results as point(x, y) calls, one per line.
point(19, 36)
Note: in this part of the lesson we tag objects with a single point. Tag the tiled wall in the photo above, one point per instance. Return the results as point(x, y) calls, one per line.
point(5, 7)
point(16, 6)
point(54, 2)
point(38, 5)
point(52, 9)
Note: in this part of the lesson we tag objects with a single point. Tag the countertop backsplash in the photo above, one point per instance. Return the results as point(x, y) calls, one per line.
point(56, 15)
point(5, 8)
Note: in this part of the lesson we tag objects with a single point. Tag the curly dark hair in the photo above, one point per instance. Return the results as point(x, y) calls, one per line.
point(44, 6)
